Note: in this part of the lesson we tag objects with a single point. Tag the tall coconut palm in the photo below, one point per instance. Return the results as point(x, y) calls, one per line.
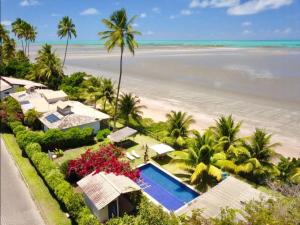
point(18, 30)
point(179, 123)
point(108, 91)
point(227, 131)
point(199, 160)
point(130, 106)
point(120, 33)
point(66, 27)
point(31, 37)
point(48, 67)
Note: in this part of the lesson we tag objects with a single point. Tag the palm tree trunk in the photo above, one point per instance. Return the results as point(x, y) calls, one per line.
point(28, 49)
point(104, 104)
point(66, 51)
point(23, 46)
point(118, 91)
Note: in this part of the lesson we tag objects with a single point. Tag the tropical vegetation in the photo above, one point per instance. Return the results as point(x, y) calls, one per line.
point(66, 28)
point(120, 33)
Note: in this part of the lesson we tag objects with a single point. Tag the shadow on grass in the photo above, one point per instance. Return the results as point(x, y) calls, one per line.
point(162, 160)
point(126, 144)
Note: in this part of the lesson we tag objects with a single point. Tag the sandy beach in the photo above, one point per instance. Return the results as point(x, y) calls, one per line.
point(260, 86)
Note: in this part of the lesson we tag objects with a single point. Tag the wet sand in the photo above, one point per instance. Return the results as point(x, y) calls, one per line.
point(260, 86)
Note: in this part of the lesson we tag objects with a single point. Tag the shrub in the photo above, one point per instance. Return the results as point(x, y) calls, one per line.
point(14, 124)
point(27, 136)
point(105, 159)
point(102, 134)
point(32, 148)
point(62, 189)
point(18, 129)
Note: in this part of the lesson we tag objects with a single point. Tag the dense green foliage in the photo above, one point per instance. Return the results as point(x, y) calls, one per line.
point(102, 134)
point(10, 111)
point(55, 138)
point(31, 119)
point(62, 190)
point(130, 107)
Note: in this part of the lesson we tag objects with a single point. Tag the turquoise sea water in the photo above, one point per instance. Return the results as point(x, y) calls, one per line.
point(225, 43)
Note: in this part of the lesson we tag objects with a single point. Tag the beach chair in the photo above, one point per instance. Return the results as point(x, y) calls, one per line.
point(129, 156)
point(135, 154)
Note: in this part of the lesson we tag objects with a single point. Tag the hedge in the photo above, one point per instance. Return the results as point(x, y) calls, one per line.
point(54, 138)
point(102, 134)
point(18, 129)
point(63, 191)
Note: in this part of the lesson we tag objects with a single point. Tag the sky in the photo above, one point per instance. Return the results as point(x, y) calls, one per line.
point(164, 19)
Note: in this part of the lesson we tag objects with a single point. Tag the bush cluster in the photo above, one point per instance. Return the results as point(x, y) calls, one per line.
point(63, 191)
point(53, 138)
point(102, 134)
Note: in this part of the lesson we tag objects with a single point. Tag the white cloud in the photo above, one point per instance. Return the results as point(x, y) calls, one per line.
point(247, 24)
point(89, 11)
point(29, 2)
point(186, 12)
point(156, 10)
point(256, 6)
point(239, 7)
point(287, 30)
point(213, 3)
point(143, 15)
point(56, 15)
point(172, 17)
point(6, 22)
point(149, 32)
point(135, 25)
point(247, 32)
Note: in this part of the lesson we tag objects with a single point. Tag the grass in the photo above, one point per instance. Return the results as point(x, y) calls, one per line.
point(75, 153)
point(48, 206)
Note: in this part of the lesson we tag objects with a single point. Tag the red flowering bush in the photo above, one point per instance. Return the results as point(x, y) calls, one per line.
point(106, 159)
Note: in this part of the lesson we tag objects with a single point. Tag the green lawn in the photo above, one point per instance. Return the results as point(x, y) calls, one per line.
point(49, 207)
point(75, 153)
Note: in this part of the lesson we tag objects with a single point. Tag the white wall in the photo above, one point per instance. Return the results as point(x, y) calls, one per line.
point(101, 214)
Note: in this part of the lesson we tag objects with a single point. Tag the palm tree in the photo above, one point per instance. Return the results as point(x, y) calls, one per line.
point(31, 118)
point(108, 92)
point(179, 123)
point(120, 33)
point(48, 67)
point(199, 160)
point(4, 33)
point(18, 30)
point(66, 28)
point(260, 146)
point(226, 130)
point(30, 36)
point(8, 49)
point(130, 107)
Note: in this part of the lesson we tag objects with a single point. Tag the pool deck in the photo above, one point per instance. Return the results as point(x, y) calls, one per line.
point(231, 193)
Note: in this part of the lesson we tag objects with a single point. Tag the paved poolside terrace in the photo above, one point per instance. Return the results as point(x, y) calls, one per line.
point(231, 193)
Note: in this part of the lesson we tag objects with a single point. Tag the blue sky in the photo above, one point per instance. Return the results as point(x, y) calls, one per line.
point(165, 19)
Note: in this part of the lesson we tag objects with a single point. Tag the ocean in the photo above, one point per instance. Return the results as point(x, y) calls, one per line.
point(219, 43)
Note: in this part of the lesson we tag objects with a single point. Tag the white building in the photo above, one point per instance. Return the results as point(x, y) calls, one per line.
point(68, 114)
point(107, 194)
point(9, 85)
point(42, 100)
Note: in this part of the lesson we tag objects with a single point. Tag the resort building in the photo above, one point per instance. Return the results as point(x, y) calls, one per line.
point(42, 100)
point(107, 195)
point(68, 114)
point(9, 85)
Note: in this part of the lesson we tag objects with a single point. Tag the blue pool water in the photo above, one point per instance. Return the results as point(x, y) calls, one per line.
point(169, 192)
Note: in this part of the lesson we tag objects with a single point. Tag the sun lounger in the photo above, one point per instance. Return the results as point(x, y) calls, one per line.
point(129, 156)
point(135, 154)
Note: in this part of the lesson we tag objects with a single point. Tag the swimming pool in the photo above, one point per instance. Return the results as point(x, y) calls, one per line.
point(165, 189)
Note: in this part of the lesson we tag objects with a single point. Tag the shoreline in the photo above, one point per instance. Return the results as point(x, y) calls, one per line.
point(158, 107)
